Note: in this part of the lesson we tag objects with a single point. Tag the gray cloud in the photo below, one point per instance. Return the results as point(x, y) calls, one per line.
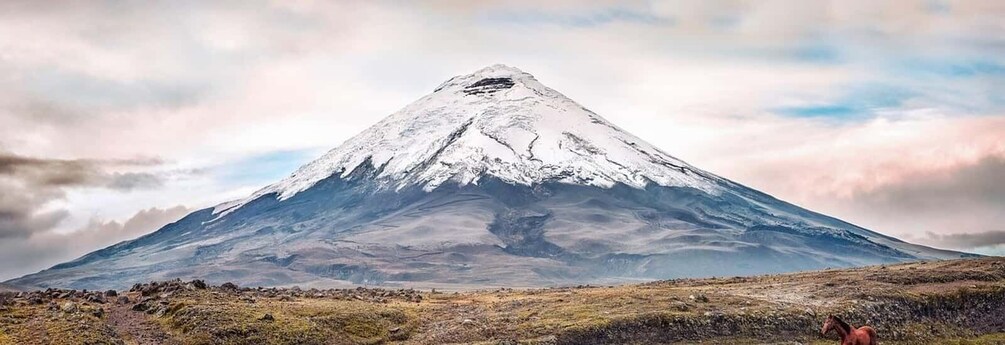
point(958, 207)
point(20, 208)
point(19, 218)
point(20, 256)
point(141, 223)
point(49, 172)
point(981, 184)
point(130, 181)
point(30, 184)
point(966, 241)
point(42, 172)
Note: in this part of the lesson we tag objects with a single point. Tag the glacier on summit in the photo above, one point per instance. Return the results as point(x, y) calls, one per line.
point(493, 179)
point(519, 131)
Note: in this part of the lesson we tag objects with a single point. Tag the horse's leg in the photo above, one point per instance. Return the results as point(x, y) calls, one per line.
point(872, 335)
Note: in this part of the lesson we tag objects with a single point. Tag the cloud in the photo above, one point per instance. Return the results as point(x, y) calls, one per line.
point(966, 186)
point(41, 172)
point(130, 181)
point(143, 222)
point(31, 183)
point(19, 214)
point(861, 101)
point(305, 69)
point(41, 250)
point(959, 202)
point(966, 241)
point(903, 173)
point(586, 19)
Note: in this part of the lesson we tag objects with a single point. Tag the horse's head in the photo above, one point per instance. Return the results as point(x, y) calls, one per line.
point(828, 325)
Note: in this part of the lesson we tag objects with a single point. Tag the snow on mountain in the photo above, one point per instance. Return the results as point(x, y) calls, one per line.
point(509, 126)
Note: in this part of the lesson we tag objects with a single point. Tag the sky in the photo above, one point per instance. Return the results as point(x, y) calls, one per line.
point(117, 117)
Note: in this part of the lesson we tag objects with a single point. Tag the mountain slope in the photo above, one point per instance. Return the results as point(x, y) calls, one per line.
point(493, 179)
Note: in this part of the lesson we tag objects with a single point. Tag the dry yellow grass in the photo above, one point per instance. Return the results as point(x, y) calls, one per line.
point(950, 302)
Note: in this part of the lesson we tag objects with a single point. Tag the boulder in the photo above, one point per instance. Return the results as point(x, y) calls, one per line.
point(70, 307)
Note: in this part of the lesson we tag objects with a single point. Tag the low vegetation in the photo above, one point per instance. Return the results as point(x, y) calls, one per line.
point(947, 302)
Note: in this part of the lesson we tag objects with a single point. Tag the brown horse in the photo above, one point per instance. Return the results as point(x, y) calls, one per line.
point(864, 335)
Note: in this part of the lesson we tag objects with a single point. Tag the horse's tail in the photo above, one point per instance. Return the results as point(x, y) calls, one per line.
point(872, 334)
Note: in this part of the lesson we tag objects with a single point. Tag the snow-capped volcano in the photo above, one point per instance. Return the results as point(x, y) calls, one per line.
point(499, 122)
point(492, 179)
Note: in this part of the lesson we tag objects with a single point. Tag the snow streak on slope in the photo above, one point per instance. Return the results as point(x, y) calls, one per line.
point(501, 122)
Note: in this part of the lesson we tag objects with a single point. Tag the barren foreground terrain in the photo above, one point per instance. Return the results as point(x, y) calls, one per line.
point(946, 302)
